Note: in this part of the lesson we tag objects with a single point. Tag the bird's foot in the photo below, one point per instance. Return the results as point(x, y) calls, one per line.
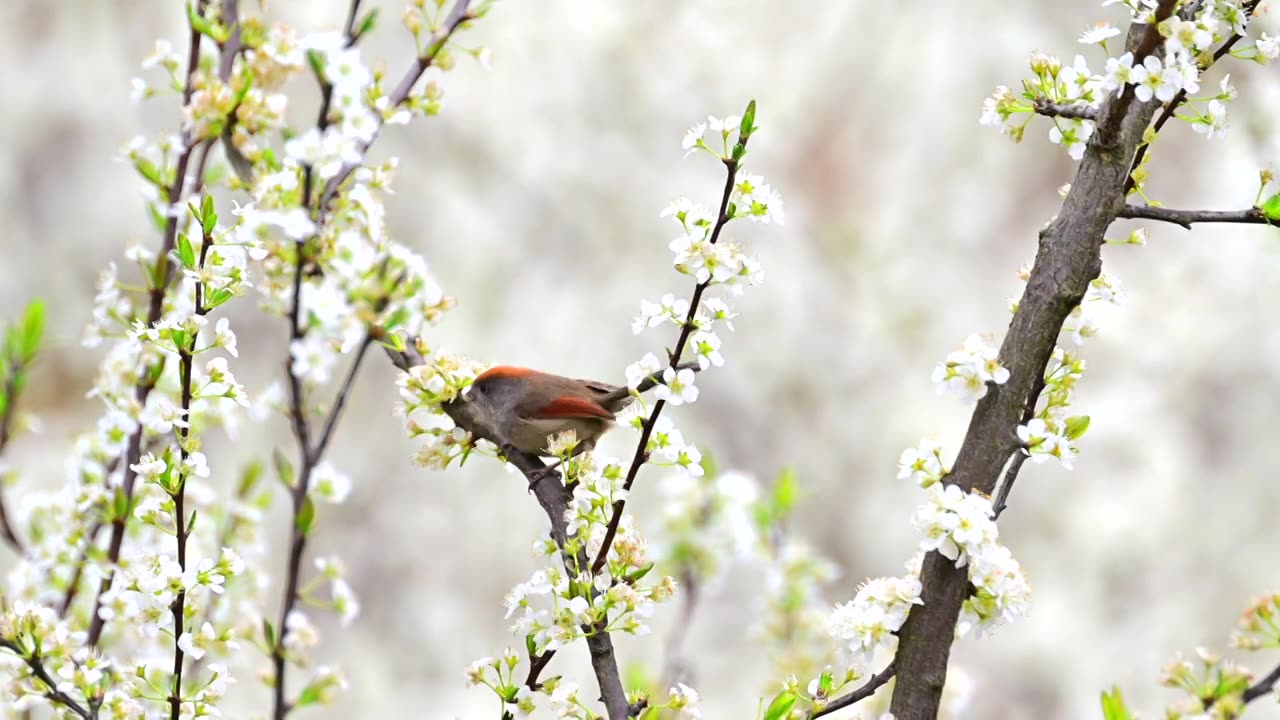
point(545, 472)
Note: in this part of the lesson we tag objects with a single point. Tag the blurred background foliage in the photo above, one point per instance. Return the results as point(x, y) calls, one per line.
point(536, 195)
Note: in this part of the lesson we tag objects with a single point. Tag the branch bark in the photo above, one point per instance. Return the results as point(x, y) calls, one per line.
point(862, 693)
point(1185, 218)
point(1073, 112)
point(1068, 258)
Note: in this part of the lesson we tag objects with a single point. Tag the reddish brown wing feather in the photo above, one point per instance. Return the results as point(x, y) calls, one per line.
point(574, 406)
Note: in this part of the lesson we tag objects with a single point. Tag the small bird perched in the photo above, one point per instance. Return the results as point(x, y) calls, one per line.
point(525, 408)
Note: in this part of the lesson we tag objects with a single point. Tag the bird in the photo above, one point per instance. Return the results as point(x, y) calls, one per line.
point(525, 409)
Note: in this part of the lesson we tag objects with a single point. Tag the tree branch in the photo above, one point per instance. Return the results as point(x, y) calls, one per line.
point(1074, 112)
point(1185, 218)
point(155, 310)
point(1263, 686)
point(862, 693)
point(642, 447)
point(53, 694)
point(1067, 260)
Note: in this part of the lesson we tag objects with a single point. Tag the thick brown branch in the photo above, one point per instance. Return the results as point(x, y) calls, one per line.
point(1185, 218)
point(862, 693)
point(1067, 260)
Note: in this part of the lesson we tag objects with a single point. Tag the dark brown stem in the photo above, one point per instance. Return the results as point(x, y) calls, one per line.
point(686, 330)
point(1068, 259)
point(309, 457)
point(54, 694)
point(1262, 687)
point(867, 690)
point(155, 311)
point(181, 531)
point(1185, 218)
point(537, 664)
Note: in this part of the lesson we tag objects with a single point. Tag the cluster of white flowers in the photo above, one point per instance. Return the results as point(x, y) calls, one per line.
point(423, 391)
point(139, 482)
point(1161, 76)
point(922, 464)
point(868, 623)
point(967, 371)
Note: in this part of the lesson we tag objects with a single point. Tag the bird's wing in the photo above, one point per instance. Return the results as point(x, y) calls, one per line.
point(573, 406)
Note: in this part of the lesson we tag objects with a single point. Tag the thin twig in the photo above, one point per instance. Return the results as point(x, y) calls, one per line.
point(309, 457)
point(155, 311)
point(181, 531)
point(1263, 686)
point(1073, 112)
point(537, 663)
point(54, 694)
point(1185, 218)
point(867, 690)
point(686, 330)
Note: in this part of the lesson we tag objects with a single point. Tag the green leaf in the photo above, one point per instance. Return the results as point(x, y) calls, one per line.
point(1113, 707)
point(1076, 426)
point(269, 633)
point(191, 521)
point(638, 574)
point(284, 469)
point(310, 695)
point(186, 253)
point(217, 297)
point(786, 491)
point(748, 125)
point(306, 516)
point(249, 478)
point(781, 705)
point(366, 23)
point(1271, 207)
point(119, 505)
point(149, 171)
point(709, 466)
point(530, 646)
point(199, 23)
point(316, 61)
point(157, 218)
point(208, 218)
point(32, 331)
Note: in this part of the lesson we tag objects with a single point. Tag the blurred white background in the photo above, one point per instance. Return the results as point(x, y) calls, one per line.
point(535, 196)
